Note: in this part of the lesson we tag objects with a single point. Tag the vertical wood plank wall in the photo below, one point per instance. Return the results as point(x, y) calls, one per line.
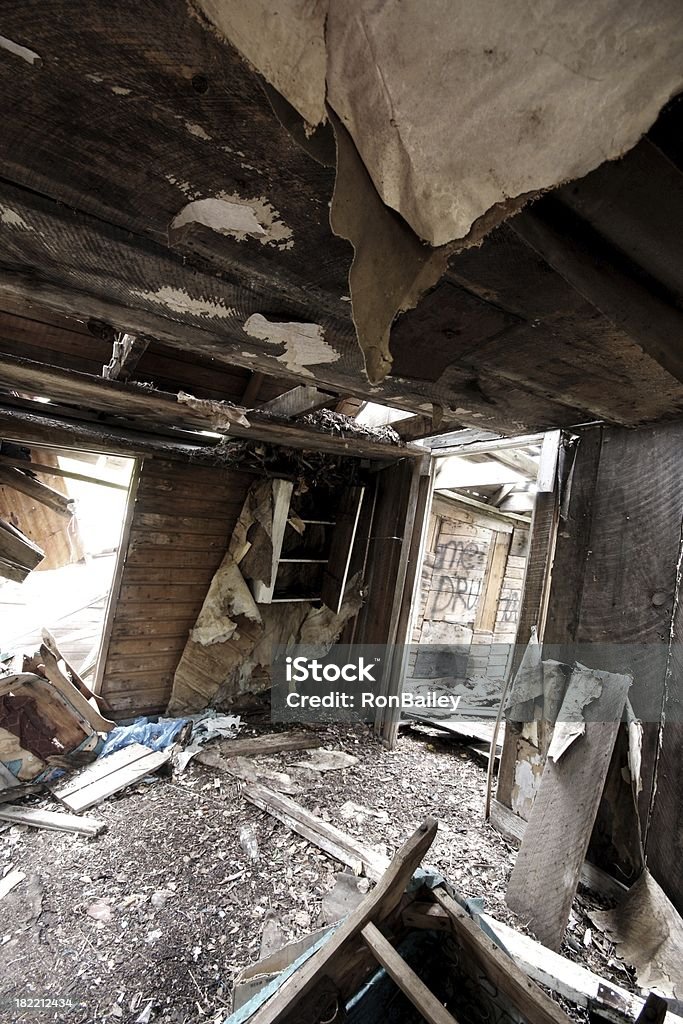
point(615, 582)
point(182, 521)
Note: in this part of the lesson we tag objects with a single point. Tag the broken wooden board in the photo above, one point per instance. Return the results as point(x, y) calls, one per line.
point(55, 500)
point(255, 977)
point(72, 694)
point(56, 821)
point(548, 866)
point(99, 770)
point(405, 977)
point(248, 771)
point(125, 776)
point(270, 743)
point(361, 859)
point(533, 1004)
point(11, 879)
point(329, 961)
point(568, 979)
point(512, 828)
point(18, 554)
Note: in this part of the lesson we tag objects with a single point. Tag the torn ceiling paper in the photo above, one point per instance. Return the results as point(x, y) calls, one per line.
point(391, 267)
point(461, 110)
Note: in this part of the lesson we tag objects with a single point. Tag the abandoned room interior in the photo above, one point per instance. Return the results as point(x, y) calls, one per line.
point(341, 512)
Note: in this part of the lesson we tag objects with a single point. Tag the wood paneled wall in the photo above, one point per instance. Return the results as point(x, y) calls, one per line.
point(615, 603)
point(182, 520)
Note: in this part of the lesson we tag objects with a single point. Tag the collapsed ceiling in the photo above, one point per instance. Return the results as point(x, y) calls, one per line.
point(158, 181)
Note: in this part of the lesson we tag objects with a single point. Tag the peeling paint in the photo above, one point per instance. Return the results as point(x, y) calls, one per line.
point(527, 780)
point(119, 90)
point(184, 186)
point(230, 214)
point(30, 56)
point(197, 131)
point(97, 79)
point(222, 215)
point(13, 219)
point(179, 301)
point(305, 344)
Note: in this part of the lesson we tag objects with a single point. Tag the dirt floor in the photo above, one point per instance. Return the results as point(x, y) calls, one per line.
point(153, 920)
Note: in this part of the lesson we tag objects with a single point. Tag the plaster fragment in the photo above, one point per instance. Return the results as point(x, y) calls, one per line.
point(221, 215)
point(179, 301)
point(305, 344)
point(13, 219)
point(30, 56)
point(197, 131)
point(230, 214)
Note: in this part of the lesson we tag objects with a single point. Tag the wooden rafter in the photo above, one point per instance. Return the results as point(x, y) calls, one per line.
point(151, 408)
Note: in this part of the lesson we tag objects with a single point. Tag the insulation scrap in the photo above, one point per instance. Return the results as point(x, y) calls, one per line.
point(228, 597)
point(219, 415)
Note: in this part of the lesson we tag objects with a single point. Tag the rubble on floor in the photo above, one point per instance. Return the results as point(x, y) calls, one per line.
point(192, 883)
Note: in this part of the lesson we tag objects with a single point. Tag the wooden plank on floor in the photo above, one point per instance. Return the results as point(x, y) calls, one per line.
point(339, 845)
point(270, 743)
point(548, 866)
point(126, 776)
point(100, 768)
point(10, 880)
point(512, 828)
point(56, 821)
point(570, 980)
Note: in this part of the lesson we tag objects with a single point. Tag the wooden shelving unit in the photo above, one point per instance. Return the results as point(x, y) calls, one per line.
point(325, 543)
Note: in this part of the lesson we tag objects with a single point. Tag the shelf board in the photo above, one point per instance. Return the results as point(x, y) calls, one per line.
point(301, 561)
point(317, 522)
point(284, 600)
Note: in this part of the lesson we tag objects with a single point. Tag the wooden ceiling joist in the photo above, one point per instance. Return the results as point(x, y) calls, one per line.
point(37, 467)
point(21, 481)
point(141, 406)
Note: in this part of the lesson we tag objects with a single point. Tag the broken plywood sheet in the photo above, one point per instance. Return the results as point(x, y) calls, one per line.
point(546, 873)
point(648, 933)
point(529, 101)
point(95, 792)
point(41, 721)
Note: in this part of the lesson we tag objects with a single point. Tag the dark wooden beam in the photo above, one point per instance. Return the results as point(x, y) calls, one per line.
point(37, 467)
point(72, 433)
point(17, 550)
point(40, 492)
point(157, 408)
point(606, 278)
point(252, 389)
